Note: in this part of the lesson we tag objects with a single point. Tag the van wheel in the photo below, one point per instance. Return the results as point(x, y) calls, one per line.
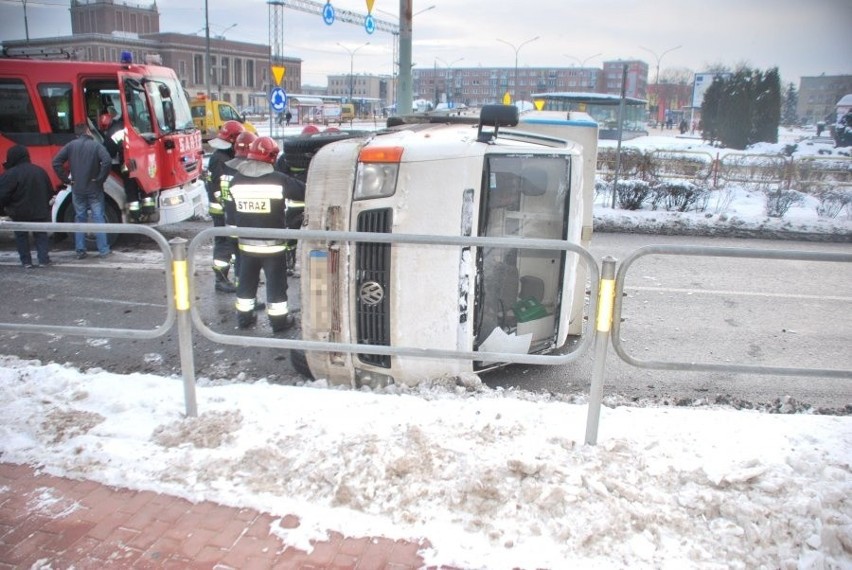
point(112, 215)
point(300, 363)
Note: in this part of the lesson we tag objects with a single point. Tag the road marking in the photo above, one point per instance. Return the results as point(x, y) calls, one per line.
point(740, 293)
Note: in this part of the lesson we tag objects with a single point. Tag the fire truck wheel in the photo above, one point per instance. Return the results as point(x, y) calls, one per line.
point(300, 363)
point(112, 215)
point(300, 150)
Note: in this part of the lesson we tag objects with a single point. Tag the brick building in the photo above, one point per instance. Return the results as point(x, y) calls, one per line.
point(102, 29)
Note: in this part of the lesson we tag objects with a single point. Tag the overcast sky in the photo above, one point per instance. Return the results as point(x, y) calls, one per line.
point(800, 38)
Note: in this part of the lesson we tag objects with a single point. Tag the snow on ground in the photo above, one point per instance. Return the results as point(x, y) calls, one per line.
point(493, 479)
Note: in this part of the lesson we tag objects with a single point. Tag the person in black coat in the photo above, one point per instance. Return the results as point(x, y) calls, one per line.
point(25, 193)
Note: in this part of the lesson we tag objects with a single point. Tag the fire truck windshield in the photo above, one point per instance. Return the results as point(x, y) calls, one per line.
point(169, 104)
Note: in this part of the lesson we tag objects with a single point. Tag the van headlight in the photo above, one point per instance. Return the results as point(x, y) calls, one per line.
point(375, 180)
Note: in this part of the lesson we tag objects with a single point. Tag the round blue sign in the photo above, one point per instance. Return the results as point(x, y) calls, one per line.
point(278, 99)
point(328, 14)
point(369, 24)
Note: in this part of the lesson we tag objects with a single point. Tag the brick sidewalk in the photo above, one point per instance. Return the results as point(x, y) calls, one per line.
point(58, 523)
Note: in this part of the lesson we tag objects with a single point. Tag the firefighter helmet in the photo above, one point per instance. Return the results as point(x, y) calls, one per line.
point(310, 130)
point(264, 149)
point(229, 130)
point(242, 143)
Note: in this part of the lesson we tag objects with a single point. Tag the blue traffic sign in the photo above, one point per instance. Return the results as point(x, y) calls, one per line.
point(370, 24)
point(328, 14)
point(278, 99)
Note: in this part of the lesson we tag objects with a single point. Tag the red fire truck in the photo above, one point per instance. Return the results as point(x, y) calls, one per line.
point(42, 101)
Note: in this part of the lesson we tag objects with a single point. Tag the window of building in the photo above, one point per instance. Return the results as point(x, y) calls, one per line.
point(17, 114)
point(181, 68)
point(119, 20)
point(249, 73)
point(198, 69)
point(238, 72)
point(225, 77)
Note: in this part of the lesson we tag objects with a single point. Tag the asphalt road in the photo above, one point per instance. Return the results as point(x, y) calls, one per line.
point(773, 313)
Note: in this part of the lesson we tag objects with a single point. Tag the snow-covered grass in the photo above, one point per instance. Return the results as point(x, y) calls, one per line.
point(493, 479)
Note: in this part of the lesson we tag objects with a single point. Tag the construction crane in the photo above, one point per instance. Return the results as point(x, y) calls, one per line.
point(347, 16)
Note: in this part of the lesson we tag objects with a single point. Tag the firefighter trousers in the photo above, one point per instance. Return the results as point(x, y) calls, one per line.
point(274, 268)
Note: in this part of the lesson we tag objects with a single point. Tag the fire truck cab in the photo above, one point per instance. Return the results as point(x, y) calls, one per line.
point(497, 175)
point(44, 100)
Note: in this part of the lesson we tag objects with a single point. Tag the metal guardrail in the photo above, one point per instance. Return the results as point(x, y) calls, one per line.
point(141, 334)
point(701, 251)
point(519, 243)
point(605, 305)
point(809, 173)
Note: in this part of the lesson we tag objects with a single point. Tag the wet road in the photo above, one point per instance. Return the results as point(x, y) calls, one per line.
point(676, 308)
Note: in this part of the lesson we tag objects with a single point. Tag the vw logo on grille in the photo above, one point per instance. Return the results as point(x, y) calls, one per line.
point(371, 293)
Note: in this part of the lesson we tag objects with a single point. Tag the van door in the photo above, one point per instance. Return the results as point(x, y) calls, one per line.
point(519, 291)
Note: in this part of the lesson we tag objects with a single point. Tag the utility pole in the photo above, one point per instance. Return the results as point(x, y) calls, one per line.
point(403, 100)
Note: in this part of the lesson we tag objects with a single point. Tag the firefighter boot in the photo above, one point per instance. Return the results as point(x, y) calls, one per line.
point(281, 323)
point(223, 285)
point(246, 319)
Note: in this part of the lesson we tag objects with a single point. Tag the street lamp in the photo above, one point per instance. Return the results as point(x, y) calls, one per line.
point(517, 49)
point(449, 67)
point(583, 65)
point(658, 58)
point(657, 77)
point(578, 60)
point(352, 65)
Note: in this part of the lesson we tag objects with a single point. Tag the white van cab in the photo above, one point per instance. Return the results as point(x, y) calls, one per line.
point(446, 176)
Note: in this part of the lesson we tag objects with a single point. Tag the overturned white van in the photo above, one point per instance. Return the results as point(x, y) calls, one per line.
point(497, 175)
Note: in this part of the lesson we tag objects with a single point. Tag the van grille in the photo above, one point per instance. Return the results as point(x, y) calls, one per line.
point(372, 286)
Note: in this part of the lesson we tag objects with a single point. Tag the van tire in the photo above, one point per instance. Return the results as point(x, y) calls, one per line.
point(299, 360)
point(300, 150)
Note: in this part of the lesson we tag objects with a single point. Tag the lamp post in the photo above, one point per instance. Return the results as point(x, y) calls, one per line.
point(583, 64)
point(578, 60)
point(352, 65)
point(449, 67)
point(657, 74)
point(208, 69)
point(658, 58)
point(517, 49)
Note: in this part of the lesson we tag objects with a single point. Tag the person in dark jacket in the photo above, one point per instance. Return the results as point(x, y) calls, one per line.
point(261, 198)
point(223, 247)
point(89, 165)
point(25, 193)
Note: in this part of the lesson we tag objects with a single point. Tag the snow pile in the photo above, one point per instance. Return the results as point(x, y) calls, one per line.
point(492, 479)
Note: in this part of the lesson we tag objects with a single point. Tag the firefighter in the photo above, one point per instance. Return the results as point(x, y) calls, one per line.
point(241, 146)
point(223, 246)
point(261, 196)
